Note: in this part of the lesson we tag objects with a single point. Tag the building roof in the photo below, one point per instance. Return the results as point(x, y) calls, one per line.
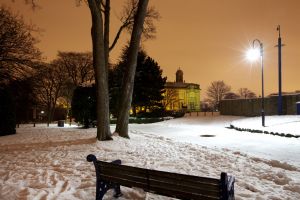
point(181, 85)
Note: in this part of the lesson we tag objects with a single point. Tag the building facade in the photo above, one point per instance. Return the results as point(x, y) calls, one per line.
point(182, 96)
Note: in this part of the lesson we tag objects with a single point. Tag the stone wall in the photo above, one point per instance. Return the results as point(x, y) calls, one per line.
point(252, 107)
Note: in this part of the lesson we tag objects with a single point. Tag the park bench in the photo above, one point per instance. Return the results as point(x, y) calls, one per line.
point(110, 175)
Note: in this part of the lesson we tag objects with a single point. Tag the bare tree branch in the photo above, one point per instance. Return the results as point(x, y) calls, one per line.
point(216, 92)
point(127, 19)
point(18, 54)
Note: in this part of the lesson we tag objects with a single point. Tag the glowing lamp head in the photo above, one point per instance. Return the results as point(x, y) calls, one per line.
point(253, 54)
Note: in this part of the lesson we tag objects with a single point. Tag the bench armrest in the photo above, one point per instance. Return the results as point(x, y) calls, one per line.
point(227, 186)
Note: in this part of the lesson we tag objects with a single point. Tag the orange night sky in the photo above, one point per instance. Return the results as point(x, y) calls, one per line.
point(207, 39)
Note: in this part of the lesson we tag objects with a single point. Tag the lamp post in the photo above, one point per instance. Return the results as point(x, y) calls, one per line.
point(252, 55)
point(279, 72)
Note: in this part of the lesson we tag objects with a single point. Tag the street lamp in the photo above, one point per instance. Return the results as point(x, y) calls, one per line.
point(252, 55)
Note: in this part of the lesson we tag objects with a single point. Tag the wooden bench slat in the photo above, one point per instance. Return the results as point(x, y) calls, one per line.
point(159, 190)
point(181, 181)
point(142, 179)
point(142, 171)
point(184, 177)
point(189, 186)
point(186, 188)
point(120, 167)
point(163, 176)
point(127, 170)
point(180, 194)
point(125, 182)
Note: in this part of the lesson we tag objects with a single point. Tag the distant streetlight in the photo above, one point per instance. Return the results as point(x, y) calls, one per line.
point(252, 55)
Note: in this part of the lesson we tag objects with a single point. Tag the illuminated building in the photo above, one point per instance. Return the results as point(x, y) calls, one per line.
point(182, 96)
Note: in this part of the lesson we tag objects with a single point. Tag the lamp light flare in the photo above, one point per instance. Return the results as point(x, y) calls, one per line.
point(253, 54)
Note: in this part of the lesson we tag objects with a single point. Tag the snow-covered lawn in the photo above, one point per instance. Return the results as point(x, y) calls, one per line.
point(50, 163)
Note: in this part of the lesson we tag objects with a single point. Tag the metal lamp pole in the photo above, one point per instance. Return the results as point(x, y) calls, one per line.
point(279, 72)
point(262, 79)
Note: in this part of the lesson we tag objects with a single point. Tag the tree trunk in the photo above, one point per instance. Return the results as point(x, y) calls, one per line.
point(106, 32)
point(134, 110)
point(103, 129)
point(128, 84)
point(48, 113)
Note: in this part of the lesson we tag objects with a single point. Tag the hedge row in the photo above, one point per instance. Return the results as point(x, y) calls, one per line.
point(264, 132)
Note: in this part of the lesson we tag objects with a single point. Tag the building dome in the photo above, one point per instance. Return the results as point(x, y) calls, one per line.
point(179, 76)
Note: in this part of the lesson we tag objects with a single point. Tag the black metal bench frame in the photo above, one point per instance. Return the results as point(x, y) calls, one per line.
point(110, 175)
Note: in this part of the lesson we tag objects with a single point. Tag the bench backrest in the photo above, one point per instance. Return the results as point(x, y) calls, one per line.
point(164, 183)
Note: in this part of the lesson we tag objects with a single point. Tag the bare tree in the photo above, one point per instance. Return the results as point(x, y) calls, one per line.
point(101, 49)
point(170, 97)
point(216, 92)
point(231, 95)
point(128, 81)
point(49, 81)
point(127, 19)
point(78, 65)
point(100, 41)
point(246, 93)
point(18, 54)
point(100, 31)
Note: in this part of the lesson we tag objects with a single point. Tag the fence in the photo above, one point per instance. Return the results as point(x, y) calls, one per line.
point(252, 107)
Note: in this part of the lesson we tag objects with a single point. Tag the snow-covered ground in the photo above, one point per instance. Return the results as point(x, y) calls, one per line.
point(289, 124)
point(50, 163)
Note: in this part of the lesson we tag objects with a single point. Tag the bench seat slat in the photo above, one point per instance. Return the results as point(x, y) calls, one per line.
point(181, 181)
point(215, 192)
point(124, 182)
point(116, 169)
point(158, 189)
point(163, 182)
point(142, 179)
point(163, 177)
point(184, 177)
point(180, 194)
point(141, 171)
point(167, 183)
point(120, 167)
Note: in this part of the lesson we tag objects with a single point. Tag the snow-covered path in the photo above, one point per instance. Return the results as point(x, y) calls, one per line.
point(50, 163)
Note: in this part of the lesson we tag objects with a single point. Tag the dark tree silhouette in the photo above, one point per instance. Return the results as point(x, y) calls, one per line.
point(231, 95)
point(78, 65)
point(246, 93)
point(25, 99)
point(148, 82)
point(49, 81)
point(83, 105)
point(7, 112)
point(18, 54)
